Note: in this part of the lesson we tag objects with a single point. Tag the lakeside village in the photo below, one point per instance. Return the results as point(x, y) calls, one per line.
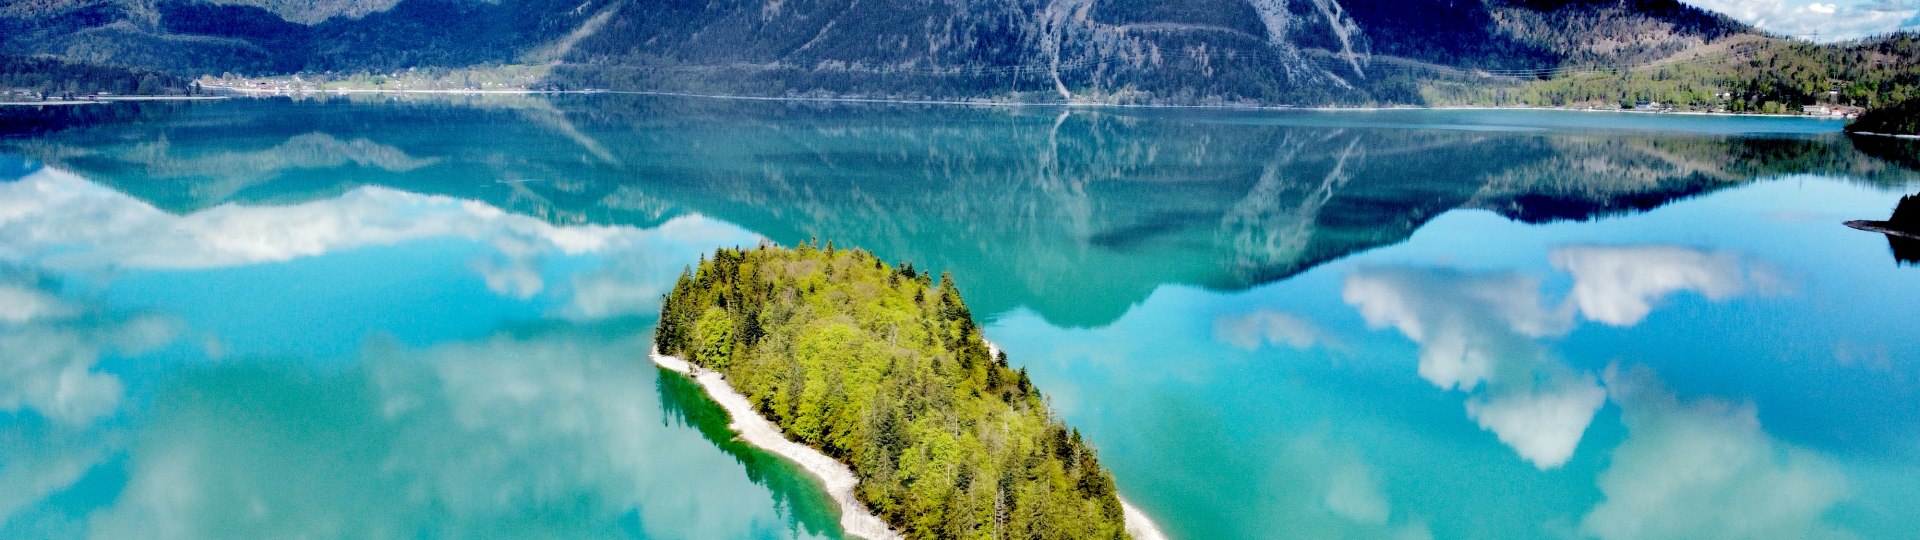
point(508, 78)
point(511, 78)
point(1817, 110)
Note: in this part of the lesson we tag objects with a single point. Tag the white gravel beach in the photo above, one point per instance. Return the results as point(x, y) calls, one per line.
point(757, 431)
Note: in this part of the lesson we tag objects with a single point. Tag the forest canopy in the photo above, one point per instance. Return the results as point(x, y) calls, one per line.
point(885, 370)
point(48, 76)
point(1898, 119)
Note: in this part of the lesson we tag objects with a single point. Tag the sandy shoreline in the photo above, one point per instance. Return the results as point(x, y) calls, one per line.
point(1138, 525)
point(757, 431)
point(839, 479)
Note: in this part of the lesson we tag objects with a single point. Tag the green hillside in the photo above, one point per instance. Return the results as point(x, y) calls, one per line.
point(47, 77)
point(1564, 53)
point(1750, 74)
point(1897, 119)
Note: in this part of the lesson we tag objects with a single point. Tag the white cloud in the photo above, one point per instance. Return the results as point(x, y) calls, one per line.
point(516, 278)
point(1467, 324)
point(1706, 469)
point(1251, 330)
point(632, 279)
point(1353, 492)
point(562, 435)
point(1618, 285)
point(48, 354)
point(20, 304)
point(1827, 22)
point(58, 221)
point(1331, 487)
point(63, 222)
point(1544, 424)
point(51, 463)
point(1476, 335)
point(1480, 333)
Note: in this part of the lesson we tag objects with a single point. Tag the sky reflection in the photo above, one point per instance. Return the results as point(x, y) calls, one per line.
point(132, 412)
point(1591, 380)
point(1354, 330)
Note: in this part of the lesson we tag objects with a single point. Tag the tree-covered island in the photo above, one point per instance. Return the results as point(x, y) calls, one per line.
point(881, 368)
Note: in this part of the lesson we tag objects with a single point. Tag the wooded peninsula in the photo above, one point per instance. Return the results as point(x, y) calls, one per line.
point(883, 369)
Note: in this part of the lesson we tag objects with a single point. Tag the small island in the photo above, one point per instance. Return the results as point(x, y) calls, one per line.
point(1905, 220)
point(1902, 229)
point(916, 424)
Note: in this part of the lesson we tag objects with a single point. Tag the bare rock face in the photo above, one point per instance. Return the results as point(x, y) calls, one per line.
point(314, 11)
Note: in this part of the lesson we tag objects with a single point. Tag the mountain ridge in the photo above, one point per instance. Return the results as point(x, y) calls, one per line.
point(1128, 51)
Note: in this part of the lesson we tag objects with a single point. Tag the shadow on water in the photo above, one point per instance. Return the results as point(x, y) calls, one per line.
point(1906, 251)
point(1905, 152)
point(687, 405)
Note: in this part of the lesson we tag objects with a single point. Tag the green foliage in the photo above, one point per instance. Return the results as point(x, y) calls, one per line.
point(1906, 214)
point(880, 367)
point(1897, 119)
point(1767, 75)
point(51, 77)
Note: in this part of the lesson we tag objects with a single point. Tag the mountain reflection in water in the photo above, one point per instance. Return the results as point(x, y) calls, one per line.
point(1054, 200)
point(423, 317)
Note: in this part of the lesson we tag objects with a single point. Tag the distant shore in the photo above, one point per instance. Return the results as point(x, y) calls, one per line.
point(97, 100)
point(256, 92)
point(839, 479)
point(1004, 103)
point(1892, 135)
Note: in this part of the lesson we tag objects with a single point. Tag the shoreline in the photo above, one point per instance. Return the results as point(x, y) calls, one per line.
point(839, 479)
point(1223, 107)
point(252, 92)
point(1137, 523)
point(1890, 135)
point(243, 91)
point(761, 433)
point(101, 100)
point(1881, 227)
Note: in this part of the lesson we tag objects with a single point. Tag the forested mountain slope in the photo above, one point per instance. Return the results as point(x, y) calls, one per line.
point(1192, 51)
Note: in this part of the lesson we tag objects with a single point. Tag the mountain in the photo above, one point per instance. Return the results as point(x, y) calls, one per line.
point(1185, 51)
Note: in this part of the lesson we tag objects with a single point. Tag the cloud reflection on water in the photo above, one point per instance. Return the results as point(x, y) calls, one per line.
point(1480, 332)
point(1249, 331)
point(549, 435)
point(1705, 468)
point(63, 222)
point(550, 432)
point(52, 347)
point(60, 222)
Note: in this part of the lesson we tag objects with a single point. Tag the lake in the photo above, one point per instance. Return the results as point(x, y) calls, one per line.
point(382, 317)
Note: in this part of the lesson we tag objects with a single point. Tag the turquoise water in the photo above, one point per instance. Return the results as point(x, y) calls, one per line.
point(427, 317)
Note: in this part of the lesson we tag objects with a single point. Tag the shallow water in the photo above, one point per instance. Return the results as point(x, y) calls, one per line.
point(428, 317)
